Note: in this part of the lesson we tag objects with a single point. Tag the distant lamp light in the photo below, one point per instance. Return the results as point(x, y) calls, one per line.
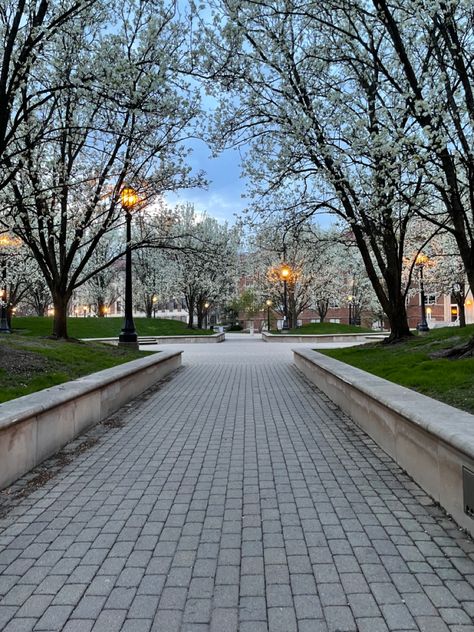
point(422, 260)
point(206, 315)
point(128, 197)
point(269, 303)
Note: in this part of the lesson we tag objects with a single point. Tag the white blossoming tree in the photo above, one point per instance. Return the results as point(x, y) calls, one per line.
point(303, 85)
point(205, 263)
point(116, 78)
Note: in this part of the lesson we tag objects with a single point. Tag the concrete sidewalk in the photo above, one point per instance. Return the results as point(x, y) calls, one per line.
point(235, 498)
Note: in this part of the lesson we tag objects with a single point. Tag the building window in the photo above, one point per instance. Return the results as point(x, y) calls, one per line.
point(430, 299)
point(334, 320)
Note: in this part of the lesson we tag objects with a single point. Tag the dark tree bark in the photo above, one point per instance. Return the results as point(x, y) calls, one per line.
point(323, 306)
point(60, 302)
point(191, 305)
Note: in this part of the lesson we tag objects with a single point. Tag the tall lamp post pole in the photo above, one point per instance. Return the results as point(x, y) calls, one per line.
point(4, 327)
point(269, 304)
point(284, 275)
point(128, 336)
point(5, 242)
point(422, 325)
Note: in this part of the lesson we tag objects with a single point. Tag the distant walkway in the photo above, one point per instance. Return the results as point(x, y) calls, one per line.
point(236, 498)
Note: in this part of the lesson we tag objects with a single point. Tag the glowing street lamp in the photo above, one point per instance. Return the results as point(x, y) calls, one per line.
point(421, 261)
point(206, 307)
point(350, 300)
point(269, 303)
point(285, 273)
point(5, 242)
point(128, 336)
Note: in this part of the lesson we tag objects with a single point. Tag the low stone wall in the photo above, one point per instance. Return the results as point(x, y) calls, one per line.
point(432, 441)
point(309, 338)
point(35, 426)
point(163, 340)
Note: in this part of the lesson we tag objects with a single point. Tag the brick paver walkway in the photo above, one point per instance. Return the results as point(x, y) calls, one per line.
point(235, 498)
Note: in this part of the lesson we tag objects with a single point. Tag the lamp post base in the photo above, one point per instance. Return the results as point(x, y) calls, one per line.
point(128, 339)
point(422, 327)
point(129, 345)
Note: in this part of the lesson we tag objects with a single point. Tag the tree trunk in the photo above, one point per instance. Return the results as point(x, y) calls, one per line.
point(60, 302)
point(200, 318)
point(462, 314)
point(323, 307)
point(148, 307)
point(398, 322)
point(190, 304)
point(100, 307)
point(9, 314)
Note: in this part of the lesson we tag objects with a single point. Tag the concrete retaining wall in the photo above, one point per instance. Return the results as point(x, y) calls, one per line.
point(266, 337)
point(430, 440)
point(163, 340)
point(36, 426)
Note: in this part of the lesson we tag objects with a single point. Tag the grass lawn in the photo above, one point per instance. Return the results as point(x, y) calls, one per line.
point(29, 364)
point(327, 328)
point(409, 364)
point(105, 327)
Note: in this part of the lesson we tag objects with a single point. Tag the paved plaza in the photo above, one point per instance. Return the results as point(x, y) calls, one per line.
point(234, 498)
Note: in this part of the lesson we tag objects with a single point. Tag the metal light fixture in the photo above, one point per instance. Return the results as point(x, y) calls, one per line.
point(285, 273)
point(6, 241)
point(421, 261)
point(269, 303)
point(128, 336)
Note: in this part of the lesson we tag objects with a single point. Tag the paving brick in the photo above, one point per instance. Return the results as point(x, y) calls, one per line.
point(235, 498)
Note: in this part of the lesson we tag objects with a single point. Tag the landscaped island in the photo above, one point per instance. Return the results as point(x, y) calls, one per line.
point(30, 361)
point(415, 364)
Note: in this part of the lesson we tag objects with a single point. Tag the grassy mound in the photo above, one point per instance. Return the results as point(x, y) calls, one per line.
point(416, 363)
point(29, 364)
point(105, 327)
point(328, 328)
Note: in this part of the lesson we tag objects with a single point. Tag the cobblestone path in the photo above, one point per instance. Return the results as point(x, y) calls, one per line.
point(234, 498)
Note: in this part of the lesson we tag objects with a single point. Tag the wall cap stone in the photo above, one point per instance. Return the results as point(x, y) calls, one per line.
point(452, 425)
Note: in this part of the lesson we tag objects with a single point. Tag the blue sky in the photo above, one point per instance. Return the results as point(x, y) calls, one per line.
point(222, 198)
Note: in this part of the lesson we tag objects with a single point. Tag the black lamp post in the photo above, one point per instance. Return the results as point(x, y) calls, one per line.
point(284, 275)
point(349, 298)
point(5, 242)
point(206, 315)
point(422, 325)
point(269, 304)
point(4, 327)
point(128, 336)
